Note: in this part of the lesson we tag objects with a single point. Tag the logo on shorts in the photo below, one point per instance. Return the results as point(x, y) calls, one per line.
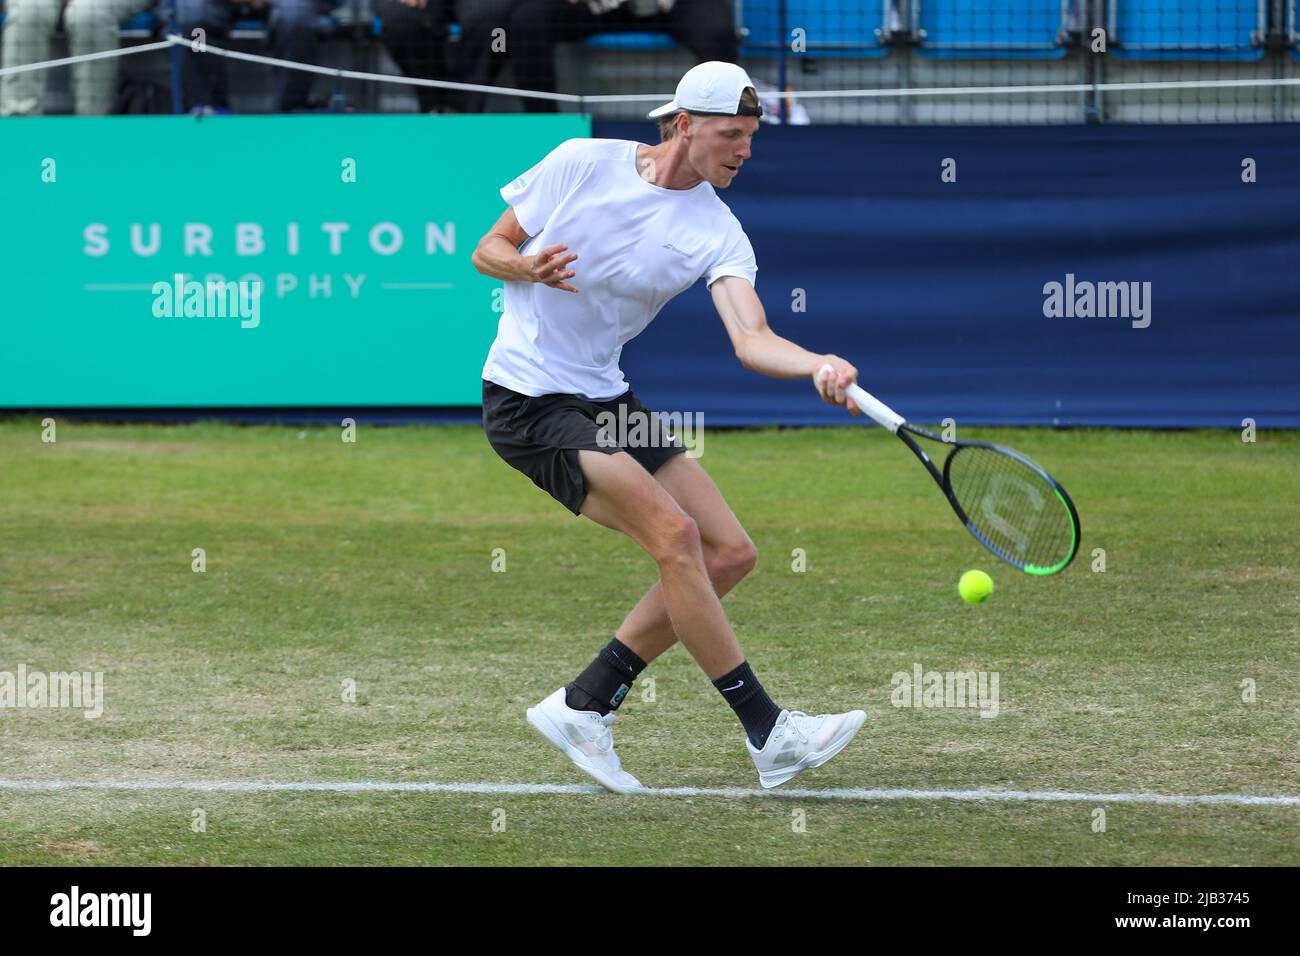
point(639, 428)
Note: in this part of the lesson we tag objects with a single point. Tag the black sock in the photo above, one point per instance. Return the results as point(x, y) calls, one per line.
point(741, 689)
point(606, 681)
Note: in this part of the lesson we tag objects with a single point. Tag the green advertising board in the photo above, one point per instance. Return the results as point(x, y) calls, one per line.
point(350, 236)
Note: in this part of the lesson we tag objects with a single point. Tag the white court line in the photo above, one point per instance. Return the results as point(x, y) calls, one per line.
point(1015, 796)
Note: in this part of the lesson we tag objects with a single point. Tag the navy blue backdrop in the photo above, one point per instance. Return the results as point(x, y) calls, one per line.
point(935, 290)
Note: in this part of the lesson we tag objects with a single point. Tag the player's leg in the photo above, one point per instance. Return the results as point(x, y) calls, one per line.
point(622, 495)
point(552, 440)
point(618, 492)
point(729, 554)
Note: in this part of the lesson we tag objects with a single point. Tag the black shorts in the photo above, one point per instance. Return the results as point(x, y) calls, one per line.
point(542, 436)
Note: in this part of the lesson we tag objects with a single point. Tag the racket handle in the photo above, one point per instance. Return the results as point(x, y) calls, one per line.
point(868, 403)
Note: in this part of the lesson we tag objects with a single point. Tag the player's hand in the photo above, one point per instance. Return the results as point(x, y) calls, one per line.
point(551, 267)
point(832, 378)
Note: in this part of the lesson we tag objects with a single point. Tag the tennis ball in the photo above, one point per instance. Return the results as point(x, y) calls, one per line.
point(975, 587)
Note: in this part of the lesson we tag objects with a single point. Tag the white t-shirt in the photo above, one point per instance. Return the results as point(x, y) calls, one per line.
point(638, 245)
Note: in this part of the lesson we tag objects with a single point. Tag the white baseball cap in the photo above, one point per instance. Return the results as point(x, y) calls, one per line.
point(713, 88)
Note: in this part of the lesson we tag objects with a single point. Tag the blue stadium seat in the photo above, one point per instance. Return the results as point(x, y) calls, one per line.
point(377, 28)
point(249, 30)
point(830, 28)
point(1186, 30)
point(997, 29)
point(140, 27)
point(601, 41)
point(638, 42)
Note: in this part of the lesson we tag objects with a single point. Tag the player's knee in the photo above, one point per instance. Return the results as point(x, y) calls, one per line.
point(678, 539)
point(730, 562)
point(746, 558)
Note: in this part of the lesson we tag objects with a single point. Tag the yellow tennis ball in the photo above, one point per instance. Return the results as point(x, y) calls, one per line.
point(975, 587)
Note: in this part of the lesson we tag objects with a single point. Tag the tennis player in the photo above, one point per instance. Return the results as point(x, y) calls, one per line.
point(597, 237)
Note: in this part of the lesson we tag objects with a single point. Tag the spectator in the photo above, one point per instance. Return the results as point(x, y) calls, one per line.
point(415, 32)
point(533, 27)
point(294, 32)
point(91, 25)
point(479, 58)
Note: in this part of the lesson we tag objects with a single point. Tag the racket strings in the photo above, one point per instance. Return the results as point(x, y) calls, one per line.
point(1012, 506)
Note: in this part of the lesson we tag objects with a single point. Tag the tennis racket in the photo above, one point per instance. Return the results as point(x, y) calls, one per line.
point(1008, 503)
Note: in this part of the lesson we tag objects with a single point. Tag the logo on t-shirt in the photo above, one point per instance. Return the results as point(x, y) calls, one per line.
point(671, 248)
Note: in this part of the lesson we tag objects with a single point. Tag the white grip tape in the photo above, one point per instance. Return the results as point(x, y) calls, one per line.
point(877, 409)
point(869, 404)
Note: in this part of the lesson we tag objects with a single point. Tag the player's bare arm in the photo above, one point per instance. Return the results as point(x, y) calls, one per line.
point(497, 255)
point(762, 350)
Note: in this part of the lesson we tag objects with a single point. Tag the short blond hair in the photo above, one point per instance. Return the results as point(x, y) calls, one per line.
point(668, 124)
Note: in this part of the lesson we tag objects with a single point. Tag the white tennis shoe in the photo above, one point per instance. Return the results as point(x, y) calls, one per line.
point(585, 738)
point(798, 742)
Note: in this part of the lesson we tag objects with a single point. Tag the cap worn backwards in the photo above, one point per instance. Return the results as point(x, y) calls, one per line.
point(711, 89)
